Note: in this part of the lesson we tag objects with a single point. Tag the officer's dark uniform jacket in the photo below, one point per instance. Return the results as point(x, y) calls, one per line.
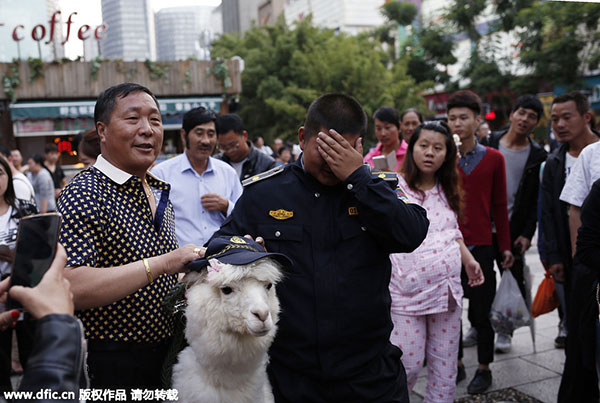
point(335, 303)
point(256, 163)
point(524, 217)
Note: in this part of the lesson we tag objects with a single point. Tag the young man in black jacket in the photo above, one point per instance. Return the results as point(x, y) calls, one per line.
point(238, 152)
point(570, 119)
point(523, 158)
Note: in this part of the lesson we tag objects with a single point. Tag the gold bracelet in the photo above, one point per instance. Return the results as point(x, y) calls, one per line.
point(148, 272)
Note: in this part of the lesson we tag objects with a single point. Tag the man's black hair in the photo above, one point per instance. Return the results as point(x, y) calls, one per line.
point(465, 99)
point(388, 114)
point(108, 98)
point(581, 101)
point(228, 122)
point(529, 102)
point(38, 159)
point(50, 147)
point(335, 111)
point(197, 116)
point(4, 150)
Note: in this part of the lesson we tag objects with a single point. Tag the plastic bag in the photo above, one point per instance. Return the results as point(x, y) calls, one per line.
point(546, 299)
point(509, 310)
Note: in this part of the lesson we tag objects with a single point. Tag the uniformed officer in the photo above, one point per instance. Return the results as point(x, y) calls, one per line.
point(338, 222)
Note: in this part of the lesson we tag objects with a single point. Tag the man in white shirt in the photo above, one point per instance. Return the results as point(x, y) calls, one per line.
point(579, 183)
point(203, 189)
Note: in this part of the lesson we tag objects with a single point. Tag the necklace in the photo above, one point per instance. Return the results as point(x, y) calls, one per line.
point(149, 195)
point(147, 189)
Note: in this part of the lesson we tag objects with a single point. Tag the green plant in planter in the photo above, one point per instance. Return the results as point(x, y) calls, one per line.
point(95, 68)
point(221, 71)
point(10, 81)
point(157, 71)
point(36, 68)
point(129, 73)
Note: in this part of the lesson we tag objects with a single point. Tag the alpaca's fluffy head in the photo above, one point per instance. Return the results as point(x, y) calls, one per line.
point(232, 299)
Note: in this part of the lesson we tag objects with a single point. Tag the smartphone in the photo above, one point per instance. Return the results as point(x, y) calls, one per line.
point(380, 162)
point(35, 250)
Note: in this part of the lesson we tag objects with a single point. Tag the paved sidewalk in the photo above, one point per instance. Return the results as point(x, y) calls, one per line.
point(535, 374)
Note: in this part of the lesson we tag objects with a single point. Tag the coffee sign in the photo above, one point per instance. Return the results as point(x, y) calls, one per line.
point(38, 32)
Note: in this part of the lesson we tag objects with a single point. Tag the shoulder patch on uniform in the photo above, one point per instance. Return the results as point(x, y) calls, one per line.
point(385, 175)
point(401, 195)
point(263, 175)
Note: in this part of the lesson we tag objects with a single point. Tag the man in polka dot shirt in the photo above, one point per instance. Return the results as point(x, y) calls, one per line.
point(118, 231)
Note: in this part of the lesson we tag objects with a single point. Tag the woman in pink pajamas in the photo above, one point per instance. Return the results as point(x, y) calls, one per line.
point(425, 285)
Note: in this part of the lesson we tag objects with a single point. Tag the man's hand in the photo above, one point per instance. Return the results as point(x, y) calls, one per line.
point(259, 240)
point(214, 202)
point(342, 157)
point(176, 261)
point(51, 295)
point(522, 244)
point(474, 273)
point(507, 259)
point(557, 271)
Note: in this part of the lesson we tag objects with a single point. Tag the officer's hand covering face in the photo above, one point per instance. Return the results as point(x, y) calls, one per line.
point(314, 163)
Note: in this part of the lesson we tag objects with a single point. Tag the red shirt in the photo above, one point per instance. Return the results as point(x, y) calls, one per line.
point(485, 197)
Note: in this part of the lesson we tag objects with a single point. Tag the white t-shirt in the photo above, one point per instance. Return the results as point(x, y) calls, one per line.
point(583, 175)
point(569, 162)
point(238, 166)
point(8, 237)
point(23, 188)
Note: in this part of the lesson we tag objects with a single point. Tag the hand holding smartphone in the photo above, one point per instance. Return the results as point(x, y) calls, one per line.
point(35, 250)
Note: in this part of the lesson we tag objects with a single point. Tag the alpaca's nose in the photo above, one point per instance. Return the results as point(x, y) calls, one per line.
point(261, 314)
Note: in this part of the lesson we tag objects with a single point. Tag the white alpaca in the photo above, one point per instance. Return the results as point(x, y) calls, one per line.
point(231, 313)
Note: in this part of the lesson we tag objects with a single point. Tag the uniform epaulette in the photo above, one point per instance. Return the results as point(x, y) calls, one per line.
point(263, 175)
point(385, 175)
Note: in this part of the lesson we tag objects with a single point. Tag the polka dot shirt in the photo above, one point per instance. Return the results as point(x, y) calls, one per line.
point(107, 224)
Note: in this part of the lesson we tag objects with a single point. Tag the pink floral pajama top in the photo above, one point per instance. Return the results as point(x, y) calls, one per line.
point(422, 280)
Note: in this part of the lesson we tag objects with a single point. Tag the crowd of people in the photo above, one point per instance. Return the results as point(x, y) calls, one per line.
point(385, 244)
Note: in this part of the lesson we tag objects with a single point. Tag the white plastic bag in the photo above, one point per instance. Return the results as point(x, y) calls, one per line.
point(509, 311)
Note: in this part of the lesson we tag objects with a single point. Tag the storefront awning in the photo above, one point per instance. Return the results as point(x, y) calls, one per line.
point(85, 109)
point(52, 110)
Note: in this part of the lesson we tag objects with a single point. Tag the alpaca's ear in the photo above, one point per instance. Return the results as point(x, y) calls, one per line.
point(193, 277)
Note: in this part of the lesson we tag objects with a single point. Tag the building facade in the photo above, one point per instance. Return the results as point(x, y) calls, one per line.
point(184, 32)
point(239, 15)
point(130, 33)
point(349, 16)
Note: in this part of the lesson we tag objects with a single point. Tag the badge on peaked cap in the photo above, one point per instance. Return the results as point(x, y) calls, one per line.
point(237, 239)
point(281, 214)
point(233, 250)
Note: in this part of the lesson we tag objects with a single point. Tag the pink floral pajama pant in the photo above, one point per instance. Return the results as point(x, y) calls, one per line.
point(434, 336)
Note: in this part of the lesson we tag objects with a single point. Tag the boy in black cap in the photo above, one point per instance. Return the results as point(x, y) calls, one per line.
point(338, 222)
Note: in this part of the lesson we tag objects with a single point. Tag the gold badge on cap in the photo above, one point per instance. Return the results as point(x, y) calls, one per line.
point(237, 239)
point(281, 214)
point(352, 211)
